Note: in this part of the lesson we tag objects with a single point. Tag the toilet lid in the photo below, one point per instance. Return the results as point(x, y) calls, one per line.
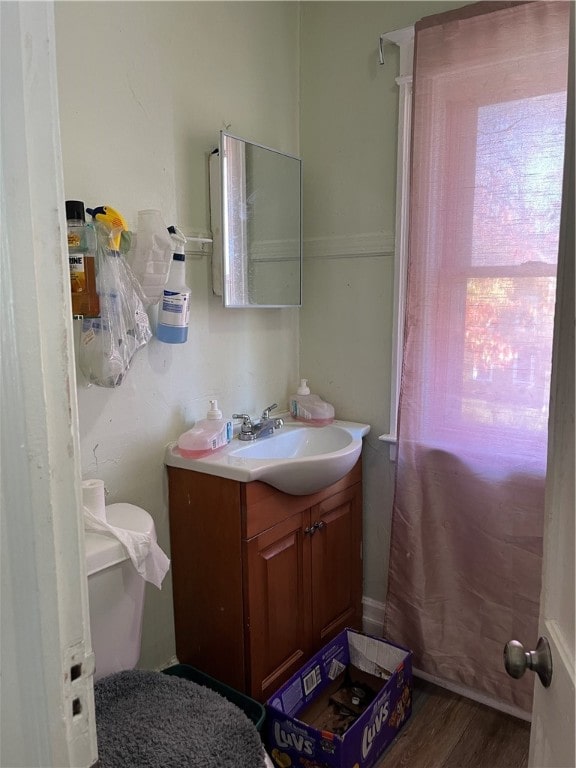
point(103, 550)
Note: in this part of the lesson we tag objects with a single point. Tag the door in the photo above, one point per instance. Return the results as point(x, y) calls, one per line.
point(553, 715)
point(278, 612)
point(336, 541)
point(46, 696)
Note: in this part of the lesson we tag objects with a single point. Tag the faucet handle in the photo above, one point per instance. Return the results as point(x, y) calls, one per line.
point(266, 411)
point(246, 420)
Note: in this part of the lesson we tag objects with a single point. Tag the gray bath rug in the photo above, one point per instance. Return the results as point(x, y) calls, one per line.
point(152, 720)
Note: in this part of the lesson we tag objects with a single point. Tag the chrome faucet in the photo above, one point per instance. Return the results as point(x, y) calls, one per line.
point(253, 430)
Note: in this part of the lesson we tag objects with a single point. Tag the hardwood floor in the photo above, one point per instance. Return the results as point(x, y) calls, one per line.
point(449, 731)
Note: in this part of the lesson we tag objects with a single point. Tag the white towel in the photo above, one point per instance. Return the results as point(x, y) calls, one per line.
point(142, 548)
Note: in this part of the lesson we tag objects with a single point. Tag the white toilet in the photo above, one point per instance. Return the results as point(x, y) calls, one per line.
point(116, 592)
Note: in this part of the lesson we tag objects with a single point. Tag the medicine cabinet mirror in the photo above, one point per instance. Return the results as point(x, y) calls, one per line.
point(256, 212)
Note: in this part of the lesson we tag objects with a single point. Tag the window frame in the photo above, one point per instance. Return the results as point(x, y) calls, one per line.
point(404, 39)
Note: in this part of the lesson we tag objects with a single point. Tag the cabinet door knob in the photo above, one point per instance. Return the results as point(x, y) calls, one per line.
point(311, 529)
point(320, 525)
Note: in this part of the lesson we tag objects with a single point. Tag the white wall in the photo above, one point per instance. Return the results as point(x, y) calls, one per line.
point(349, 116)
point(144, 90)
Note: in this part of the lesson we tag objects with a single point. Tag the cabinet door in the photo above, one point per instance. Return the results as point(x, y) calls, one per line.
point(337, 564)
point(207, 574)
point(278, 609)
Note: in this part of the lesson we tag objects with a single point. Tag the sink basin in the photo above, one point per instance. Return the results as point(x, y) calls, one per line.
point(296, 459)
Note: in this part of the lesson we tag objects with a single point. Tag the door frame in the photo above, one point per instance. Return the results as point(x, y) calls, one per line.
point(47, 664)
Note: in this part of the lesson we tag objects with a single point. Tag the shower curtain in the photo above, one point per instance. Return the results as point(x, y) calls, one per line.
point(486, 183)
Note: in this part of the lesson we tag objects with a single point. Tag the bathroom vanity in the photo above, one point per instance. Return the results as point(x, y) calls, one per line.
point(262, 579)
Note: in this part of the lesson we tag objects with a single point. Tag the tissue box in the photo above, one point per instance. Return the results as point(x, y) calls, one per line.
point(344, 707)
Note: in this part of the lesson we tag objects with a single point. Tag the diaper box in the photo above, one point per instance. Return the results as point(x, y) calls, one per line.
point(343, 707)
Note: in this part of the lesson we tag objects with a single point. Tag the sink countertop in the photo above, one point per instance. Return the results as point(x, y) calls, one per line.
point(296, 459)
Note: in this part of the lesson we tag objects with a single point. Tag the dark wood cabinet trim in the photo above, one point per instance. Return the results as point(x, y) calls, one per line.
point(230, 543)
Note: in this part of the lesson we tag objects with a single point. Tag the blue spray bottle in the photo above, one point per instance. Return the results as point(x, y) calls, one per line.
point(174, 311)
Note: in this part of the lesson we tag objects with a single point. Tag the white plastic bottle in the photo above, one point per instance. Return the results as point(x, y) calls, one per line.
point(207, 435)
point(310, 408)
point(174, 312)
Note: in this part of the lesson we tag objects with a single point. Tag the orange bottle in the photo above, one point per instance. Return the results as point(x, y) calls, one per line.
point(82, 262)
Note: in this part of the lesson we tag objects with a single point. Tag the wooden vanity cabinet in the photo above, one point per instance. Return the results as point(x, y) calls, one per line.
point(262, 579)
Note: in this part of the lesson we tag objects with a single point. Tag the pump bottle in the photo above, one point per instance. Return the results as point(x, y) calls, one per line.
point(207, 435)
point(174, 312)
point(310, 408)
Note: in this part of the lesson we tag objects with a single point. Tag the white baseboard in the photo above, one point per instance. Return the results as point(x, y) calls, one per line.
point(470, 693)
point(373, 624)
point(372, 616)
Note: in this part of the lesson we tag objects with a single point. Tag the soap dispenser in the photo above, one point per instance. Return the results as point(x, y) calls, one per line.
point(310, 408)
point(207, 435)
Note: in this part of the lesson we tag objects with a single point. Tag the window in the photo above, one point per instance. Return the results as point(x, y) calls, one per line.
point(493, 192)
point(498, 282)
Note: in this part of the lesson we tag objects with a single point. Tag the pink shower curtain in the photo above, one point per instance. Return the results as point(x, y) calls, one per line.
point(487, 158)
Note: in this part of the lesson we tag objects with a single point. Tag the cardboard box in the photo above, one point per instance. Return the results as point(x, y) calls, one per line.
point(321, 719)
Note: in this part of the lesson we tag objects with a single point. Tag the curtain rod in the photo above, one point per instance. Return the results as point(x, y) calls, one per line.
point(399, 37)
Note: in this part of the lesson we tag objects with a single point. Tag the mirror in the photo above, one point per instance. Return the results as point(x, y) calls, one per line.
point(256, 202)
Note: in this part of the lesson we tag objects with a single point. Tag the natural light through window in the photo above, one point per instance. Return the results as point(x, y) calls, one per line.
point(486, 189)
point(509, 313)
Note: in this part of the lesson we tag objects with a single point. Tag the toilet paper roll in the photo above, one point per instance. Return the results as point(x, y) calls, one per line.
point(93, 498)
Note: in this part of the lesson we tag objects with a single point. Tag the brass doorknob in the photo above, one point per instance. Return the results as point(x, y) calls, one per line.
point(517, 660)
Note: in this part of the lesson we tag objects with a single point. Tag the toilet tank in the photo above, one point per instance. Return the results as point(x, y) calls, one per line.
point(115, 592)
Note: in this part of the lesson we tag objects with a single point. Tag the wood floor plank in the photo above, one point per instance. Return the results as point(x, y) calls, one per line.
point(450, 731)
point(492, 740)
point(433, 731)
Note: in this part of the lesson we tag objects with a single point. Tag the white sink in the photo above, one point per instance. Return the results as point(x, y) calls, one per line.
point(296, 459)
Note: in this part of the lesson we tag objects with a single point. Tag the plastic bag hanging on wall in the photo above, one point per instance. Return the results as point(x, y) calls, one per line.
point(108, 343)
point(152, 255)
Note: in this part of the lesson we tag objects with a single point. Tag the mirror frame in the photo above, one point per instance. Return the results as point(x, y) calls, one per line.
point(229, 296)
